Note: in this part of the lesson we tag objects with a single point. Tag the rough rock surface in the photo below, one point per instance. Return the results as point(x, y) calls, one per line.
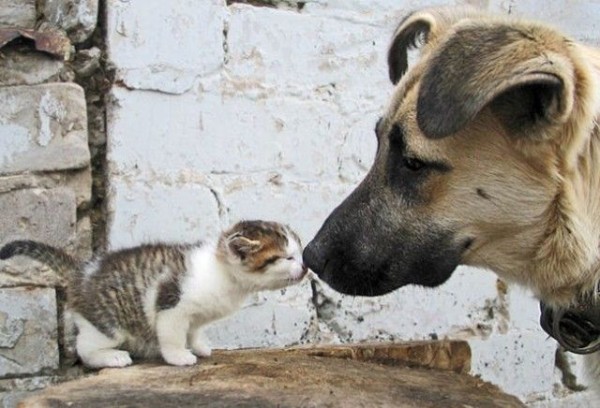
point(43, 128)
point(28, 330)
point(21, 13)
point(308, 377)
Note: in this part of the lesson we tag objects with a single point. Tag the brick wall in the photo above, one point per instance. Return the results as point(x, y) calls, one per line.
point(219, 110)
point(45, 180)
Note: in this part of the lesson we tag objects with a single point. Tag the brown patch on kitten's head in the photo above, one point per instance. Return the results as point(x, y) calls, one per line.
point(256, 244)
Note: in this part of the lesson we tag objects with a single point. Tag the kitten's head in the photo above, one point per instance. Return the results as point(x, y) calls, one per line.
point(266, 255)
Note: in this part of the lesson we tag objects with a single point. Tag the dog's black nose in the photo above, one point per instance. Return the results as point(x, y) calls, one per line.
point(313, 257)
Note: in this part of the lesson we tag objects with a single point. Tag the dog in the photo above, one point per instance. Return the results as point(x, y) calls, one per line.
point(488, 154)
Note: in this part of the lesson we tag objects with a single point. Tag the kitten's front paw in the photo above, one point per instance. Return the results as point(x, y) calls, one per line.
point(107, 358)
point(119, 359)
point(201, 349)
point(179, 357)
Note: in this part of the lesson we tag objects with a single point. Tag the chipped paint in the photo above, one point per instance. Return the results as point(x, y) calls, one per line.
point(276, 121)
point(50, 110)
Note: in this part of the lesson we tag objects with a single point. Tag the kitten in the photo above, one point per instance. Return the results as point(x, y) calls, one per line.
point(155, 299)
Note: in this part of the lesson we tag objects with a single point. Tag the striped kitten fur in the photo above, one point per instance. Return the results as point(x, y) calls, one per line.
point(155, 299)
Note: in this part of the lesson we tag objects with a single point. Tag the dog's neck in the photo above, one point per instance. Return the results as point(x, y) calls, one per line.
point(571, 313)
point(569, 264)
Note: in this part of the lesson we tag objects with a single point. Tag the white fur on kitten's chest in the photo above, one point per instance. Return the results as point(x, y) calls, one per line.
point(209, 291)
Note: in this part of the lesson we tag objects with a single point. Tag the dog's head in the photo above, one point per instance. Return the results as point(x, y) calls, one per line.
point(478, 162)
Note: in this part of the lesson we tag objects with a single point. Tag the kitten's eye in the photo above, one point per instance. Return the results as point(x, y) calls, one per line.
point(269, 261)
point(290, 258)
point(413, 164)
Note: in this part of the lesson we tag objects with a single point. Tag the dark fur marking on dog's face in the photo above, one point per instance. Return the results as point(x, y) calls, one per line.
point(441, 108)
point(364, 249)
point(358, 252)
point(407, 171)
point(447, 102)
point(481, 193)
point(466, 161)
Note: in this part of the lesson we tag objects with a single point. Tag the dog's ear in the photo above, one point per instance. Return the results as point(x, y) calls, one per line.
point(522, 74)
point(412, 31)
point(418, 29)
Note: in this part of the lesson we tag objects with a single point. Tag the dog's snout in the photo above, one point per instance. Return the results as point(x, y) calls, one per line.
point(313, 257)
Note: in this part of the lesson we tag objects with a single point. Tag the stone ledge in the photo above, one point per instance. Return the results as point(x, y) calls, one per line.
point(287, 378)
point(441, 355)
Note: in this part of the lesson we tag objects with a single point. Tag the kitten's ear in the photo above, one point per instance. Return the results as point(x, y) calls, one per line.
point(241, 246)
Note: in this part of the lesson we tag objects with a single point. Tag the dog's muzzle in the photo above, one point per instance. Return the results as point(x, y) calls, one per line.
point(576, 329)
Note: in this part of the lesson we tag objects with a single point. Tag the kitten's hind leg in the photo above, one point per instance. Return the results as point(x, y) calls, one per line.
point(171, 329)
point(96, 349)
point(199, 342)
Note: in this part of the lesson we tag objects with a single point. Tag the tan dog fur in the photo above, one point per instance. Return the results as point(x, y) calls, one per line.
point(507, 109)
point(540, 225)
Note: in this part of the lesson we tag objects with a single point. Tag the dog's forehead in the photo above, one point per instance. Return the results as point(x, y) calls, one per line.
point(402, 112)
point(484, 134)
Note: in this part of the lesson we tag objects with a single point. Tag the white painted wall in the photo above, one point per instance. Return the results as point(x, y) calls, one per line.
point(228, 112)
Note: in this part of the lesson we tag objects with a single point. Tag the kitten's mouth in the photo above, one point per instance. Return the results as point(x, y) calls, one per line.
point(297, 278)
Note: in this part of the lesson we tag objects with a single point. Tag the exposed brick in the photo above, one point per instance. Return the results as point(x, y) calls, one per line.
point(43, 128)
point(78, 181)
point(77, 17)
point(19, 13)
point(28, 340)
point(30, 68)
point(45, 215)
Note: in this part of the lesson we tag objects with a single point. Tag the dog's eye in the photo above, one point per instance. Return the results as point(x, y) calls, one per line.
point(413, 164)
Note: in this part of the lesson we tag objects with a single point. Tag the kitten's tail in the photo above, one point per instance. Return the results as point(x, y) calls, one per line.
point(55, 258)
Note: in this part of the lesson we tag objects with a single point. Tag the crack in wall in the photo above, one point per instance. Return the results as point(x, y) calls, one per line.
point(10, 331)
point(290, 4)
point(95, 75)
point(568, 378)
point(326, 312)
point(497, 308)
point(221, 207)
point(225, 42)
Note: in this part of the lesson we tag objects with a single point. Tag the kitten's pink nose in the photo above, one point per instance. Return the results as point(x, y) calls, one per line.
point(301, 273)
